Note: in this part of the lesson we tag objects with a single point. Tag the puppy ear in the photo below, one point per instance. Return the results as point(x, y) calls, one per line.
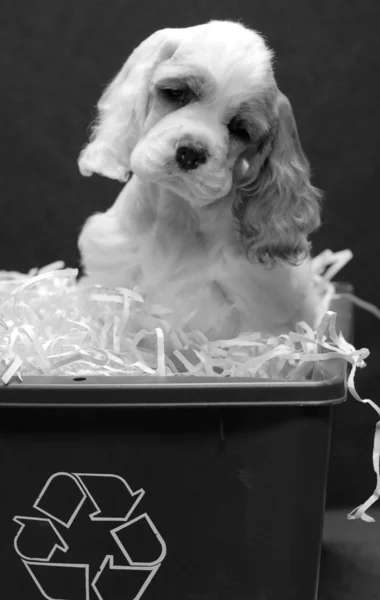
point(276, 206)
point(122, 109)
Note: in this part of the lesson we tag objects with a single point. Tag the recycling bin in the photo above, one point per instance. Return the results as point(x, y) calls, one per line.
point(175, 489)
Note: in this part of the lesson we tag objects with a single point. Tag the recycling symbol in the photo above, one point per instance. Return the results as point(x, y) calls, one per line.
point(85, 542)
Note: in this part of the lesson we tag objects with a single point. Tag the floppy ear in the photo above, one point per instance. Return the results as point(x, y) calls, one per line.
point(277, 207)
point(122, 109)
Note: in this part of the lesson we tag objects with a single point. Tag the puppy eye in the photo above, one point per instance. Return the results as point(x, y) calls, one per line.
point(175, 95)
point(238, 129)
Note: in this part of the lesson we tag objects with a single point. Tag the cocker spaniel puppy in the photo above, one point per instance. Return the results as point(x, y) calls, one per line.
point(214, 218)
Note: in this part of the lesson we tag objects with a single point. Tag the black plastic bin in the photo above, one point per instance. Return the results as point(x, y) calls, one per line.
point(198, 489)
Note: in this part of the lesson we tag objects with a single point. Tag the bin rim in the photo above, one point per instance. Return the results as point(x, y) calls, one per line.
point(148, 391)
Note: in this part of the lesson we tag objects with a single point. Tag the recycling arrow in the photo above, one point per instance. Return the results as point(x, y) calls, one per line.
point(39, 540)
point(60, 581)
point(111, 496)
point(61, 498)
point(136, 535)
point(111, 578)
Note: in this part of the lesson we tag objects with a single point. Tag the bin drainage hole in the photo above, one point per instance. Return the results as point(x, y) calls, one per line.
point(80, 378)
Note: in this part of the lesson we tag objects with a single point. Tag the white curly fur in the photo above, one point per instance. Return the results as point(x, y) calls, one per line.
point(225, 242)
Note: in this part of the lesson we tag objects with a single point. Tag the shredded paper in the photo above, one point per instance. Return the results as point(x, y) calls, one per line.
point(51, 326)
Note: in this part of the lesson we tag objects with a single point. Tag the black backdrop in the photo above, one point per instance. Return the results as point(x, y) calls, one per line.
point(56, 54)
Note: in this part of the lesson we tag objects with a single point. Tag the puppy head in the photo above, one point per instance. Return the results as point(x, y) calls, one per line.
point(198, 111)
point(183, 108)
point(275, 205)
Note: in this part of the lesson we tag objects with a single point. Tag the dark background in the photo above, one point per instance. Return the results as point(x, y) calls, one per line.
point(55, 56)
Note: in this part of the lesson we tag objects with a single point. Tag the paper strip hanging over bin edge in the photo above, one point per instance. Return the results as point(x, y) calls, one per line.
point(47, 328)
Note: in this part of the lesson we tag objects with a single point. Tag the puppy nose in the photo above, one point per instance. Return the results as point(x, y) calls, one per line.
point(190, 158)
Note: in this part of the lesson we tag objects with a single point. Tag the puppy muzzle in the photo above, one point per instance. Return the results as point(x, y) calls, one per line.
point(185, 148)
